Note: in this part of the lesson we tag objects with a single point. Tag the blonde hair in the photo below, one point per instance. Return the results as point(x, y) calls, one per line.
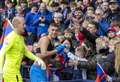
point(117, 57)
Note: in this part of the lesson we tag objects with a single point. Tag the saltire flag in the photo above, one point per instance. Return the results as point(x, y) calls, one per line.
point(101, 75)
point(7, 28)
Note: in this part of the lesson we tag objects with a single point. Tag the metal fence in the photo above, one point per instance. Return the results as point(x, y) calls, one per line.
point(79, 80)
point(26, 76)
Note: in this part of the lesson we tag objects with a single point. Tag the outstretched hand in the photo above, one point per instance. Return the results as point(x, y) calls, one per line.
point(60, 48)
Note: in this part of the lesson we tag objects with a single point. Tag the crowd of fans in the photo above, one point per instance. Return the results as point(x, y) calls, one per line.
point(90, 29)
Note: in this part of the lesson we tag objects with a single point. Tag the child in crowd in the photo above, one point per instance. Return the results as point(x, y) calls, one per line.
point(80, 52)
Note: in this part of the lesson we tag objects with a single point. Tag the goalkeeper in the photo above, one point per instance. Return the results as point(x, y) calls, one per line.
point(13, 51)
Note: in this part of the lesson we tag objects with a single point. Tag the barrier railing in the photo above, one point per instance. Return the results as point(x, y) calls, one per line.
point(26, 79)
point(79, 80)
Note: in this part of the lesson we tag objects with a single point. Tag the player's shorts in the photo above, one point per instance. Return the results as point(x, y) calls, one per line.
point(37, 74)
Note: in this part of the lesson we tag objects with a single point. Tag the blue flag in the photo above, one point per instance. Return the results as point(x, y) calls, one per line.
point(7, 28)
point(101, 75)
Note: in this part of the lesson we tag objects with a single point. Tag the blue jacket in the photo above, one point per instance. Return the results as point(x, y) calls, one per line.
point(42, 27)
point(48, 17)
point(29, 19)
point(103, 27)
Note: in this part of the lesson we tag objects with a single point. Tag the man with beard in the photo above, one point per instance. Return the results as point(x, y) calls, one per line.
point(13, 51)
point(47, 51)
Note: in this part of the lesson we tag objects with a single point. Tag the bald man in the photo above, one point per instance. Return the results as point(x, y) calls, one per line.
point(13, 51)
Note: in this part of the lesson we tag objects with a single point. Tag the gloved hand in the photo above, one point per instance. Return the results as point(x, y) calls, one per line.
point(60, 48)
point(41, 63)
point(1, 76)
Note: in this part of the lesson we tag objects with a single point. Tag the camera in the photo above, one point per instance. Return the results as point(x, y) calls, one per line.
point(42, 17)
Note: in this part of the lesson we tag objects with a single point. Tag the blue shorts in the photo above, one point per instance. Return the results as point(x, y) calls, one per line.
point(37, 74)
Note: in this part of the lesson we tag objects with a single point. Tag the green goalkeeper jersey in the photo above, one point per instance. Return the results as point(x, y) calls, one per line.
point(12, 53)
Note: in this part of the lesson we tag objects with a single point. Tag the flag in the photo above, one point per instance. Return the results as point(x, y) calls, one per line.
point(101, 75)
point(7, 28)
